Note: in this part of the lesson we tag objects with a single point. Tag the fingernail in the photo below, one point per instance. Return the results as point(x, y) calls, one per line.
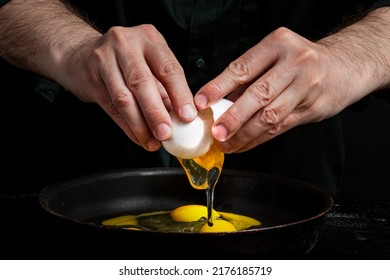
point(201, 101)
point(220, 132)
point(188, 112)
point(163, 131)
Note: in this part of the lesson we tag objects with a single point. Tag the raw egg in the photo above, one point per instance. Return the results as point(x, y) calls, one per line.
point(186, 218)
point(190, 213)
point(218, 226)
point(193, 145)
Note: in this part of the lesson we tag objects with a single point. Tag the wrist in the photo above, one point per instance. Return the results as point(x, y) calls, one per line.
point(361, 49)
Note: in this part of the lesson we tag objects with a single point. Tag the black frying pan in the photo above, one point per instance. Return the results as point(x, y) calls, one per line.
point(291, 211)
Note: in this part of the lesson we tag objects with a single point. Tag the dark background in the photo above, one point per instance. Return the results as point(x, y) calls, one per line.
point(367, 138)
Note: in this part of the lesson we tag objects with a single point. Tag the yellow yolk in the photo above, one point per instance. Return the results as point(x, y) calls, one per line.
point(125, 220)
point(213, 158)
point(218, 226)
point(198, 169)
point(190, 213)
point(239, 221)
point(190, 218)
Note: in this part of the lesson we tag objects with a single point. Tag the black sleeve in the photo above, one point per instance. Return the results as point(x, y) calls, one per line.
point(2, 2)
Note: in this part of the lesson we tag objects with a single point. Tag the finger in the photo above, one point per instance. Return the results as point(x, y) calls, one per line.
point(239, 72)
point(258, 95)
point(142, 84)
point(170, 73)
point(291, 121)
point(124, 109)
point(279, 116)
point(234, 95)
point(244, 136)
point(164, 96)
point(106, 104)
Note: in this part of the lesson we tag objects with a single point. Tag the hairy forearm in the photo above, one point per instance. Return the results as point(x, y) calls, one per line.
point(363, 47)
point(39, 35)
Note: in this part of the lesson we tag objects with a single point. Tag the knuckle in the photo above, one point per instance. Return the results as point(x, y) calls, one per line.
point(149, 29)
point(261, 92)
point(239, 70)
point(115, 31)
point(281, 34)
point(137, 79)
point(120, 102)
point(113, 111)
point(122, 36)
point(117, 34)
point(170, 69)
point(304, 53)
point(153, 36)
point(269, 117)
point(274, 130)
point(281, 38)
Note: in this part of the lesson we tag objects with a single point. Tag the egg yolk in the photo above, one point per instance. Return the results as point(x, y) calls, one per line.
point(240, 221)
point(125, 220)
point(203, 172)
point(190, 213)
point(218, 226)
point(186, 218)
point(213, 158)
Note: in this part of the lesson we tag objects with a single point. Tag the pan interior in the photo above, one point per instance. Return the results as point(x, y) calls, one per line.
point(273, 200)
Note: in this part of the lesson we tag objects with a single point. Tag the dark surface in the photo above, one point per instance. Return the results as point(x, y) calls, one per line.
point(352, 230)
point(356, 230)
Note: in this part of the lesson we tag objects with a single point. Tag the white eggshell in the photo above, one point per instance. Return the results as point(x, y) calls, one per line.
point(193, 139)
point(189, 140)
point(220, 107)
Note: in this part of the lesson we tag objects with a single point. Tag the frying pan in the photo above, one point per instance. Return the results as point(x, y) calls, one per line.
point(292, 213)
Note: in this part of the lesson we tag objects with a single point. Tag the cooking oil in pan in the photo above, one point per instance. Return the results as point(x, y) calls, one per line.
point(186, 218)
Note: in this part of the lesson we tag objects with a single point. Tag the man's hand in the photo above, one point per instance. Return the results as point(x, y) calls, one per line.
point(130, 72)
point(286, 80)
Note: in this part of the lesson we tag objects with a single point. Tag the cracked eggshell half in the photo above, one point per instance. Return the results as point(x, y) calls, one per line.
point(193, 139)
